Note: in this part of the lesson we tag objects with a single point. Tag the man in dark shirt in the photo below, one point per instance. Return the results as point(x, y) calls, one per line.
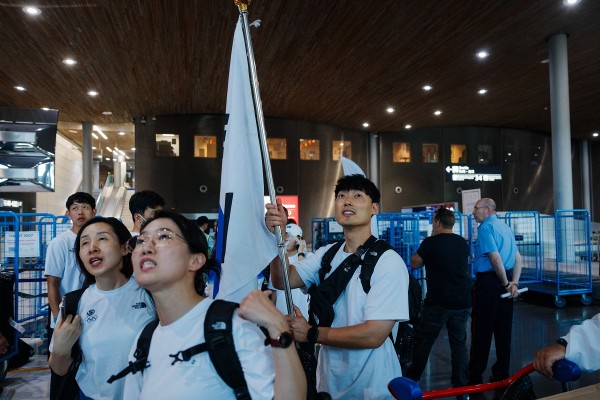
point(448, 301)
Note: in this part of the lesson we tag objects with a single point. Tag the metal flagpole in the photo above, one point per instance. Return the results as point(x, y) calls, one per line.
point(262, 134)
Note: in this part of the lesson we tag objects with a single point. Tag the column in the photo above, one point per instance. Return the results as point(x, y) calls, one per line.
point(585, 176)
point(373, 173)
point(87, 180)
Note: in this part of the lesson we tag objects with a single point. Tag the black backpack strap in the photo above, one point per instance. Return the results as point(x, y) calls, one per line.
point(71, 305)
point(218, 332)
point(370, 260)
point(327, 258)
point(141, 352)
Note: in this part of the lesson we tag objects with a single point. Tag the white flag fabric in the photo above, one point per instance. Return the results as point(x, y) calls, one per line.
point(244, 244)
point(351, 168)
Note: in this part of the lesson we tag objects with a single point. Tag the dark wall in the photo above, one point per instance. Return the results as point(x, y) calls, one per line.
point(526, 174)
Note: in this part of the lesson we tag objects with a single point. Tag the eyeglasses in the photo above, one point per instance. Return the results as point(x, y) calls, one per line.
point(477, 208)
point(160, 238)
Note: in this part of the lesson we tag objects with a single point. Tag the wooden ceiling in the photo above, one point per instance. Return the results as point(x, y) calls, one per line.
point(330, 61)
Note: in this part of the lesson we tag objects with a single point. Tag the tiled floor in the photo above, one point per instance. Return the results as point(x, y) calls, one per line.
point(537, 323)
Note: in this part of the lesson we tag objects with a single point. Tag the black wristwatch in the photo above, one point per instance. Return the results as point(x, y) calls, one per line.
point(313, 334)
point(302, 254)
point(283, 341)
point(562, 342)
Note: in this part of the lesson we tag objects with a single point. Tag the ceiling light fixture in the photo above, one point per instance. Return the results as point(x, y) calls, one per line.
point(482, 91)
point(390, 110)
point(94, 135)
point(93, 147)
point(570, 2)
point(427, 88)
point(595, 134)
point(133, 149)
point(92, 93)
point(482, 54)
point(408, 126)
point(69, 61)
point(365, 124)
point(45, 108)
point(107, 112)
point(20, 88)
point(32, 10)
point(73, 131)
point(100, 132)
point(437, 112)
point(109, 149)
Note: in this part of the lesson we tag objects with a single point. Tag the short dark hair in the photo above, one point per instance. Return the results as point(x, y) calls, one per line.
point(122, 234)
point(81, 198)
point(203, 219)
point(446, 217)
point(140, 201)
point(358, 182)
point(195, 240)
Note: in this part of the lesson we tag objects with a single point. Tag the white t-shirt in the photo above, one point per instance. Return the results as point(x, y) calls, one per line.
point(584, 345)
point(61, 262)
point(299, 297)
point(110, 322)
point(197, 378)
point(361, 373)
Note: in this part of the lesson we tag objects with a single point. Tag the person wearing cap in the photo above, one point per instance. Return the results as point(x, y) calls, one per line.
point(296, 251)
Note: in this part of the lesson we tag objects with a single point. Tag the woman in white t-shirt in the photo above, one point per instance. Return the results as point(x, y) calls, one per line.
point(111, 311)
point(167, 256)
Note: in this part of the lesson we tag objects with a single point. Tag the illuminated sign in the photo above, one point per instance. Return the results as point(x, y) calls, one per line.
point(481, 173)
point(11, 203)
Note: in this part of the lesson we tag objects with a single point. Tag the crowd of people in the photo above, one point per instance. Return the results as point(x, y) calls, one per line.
point(130, 317)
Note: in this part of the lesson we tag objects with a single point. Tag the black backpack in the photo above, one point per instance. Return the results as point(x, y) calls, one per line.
point(219, 344)
point(373, 252)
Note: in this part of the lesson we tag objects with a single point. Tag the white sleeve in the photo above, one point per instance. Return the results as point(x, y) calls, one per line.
point(55, 259)
point(584, 344)
point(308, 269)
point(388, 297)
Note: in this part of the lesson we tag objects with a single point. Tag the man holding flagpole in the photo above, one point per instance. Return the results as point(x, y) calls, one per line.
point(357, 358)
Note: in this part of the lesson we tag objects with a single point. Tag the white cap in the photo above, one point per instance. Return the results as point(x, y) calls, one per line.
point(293, 230)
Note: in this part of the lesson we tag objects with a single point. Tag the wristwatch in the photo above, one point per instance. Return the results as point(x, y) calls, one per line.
point(302, 254)
point(313, 334)
point(282, 342)
point(562, 342)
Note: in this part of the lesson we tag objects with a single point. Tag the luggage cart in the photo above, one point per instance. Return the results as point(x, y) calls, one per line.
point(518, 386)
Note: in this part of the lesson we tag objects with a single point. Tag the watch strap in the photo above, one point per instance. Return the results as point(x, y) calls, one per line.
point(562, 342)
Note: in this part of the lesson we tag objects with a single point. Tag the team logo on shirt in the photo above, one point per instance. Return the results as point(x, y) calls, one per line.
point(139, 305)
point(91, 316)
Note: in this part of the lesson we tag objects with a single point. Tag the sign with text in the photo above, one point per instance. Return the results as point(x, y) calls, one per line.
point(479, 173)
point(469, 198)
point(28, 244)
point(291, 203)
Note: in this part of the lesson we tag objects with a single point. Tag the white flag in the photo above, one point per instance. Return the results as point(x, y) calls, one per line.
point(244, 244)
point(351, 168)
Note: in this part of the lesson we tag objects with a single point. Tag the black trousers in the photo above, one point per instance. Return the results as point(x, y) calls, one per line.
point(491, 316)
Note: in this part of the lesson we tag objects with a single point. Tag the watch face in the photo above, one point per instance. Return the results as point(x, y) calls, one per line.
point(285, 340)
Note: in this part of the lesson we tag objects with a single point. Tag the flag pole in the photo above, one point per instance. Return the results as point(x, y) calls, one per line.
point(262, 134)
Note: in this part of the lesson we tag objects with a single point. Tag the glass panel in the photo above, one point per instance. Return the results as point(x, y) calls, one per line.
point(341, 147)
point(277, 149)
point(309, 149)
point(167, 145)
point(458, 153)
point(484, 154)
point(401, 152)
point(205, 146)
point(431, 153)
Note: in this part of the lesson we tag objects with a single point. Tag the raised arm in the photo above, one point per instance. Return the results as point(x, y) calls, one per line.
point(65, 335)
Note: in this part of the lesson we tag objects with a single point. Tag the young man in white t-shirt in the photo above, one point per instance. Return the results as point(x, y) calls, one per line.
point(143, 205)
point(357, 359)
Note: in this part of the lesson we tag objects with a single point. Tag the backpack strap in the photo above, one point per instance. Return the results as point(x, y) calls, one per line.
point(71, 306)
point(218, 328)
point(327, 258)
point(370, 260)
point(141, 353)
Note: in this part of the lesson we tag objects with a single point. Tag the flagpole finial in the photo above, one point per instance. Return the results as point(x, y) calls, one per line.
point(242, 4)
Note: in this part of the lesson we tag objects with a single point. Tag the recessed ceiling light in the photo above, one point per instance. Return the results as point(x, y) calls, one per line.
point(107, 158)
point(92, 93)
point(570, 2)
point(133, 149)
point(482, 54)
point(427, 88)
point(545, 61)
point(72, 131)
point(482, 91)
point(595, 134)
point(437, 112)
point(32, 10)
point(366, 124)
point(109, 149)
point(107, 112)
point(122, 133)
point(69, 61)
point(45, 108)
point(93, 147)
point(20, 88)
point(390, 110)
point(408, 126)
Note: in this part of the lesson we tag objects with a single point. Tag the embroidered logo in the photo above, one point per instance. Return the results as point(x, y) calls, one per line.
point(91, 316)
point(219, 325)
point(139, 305)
